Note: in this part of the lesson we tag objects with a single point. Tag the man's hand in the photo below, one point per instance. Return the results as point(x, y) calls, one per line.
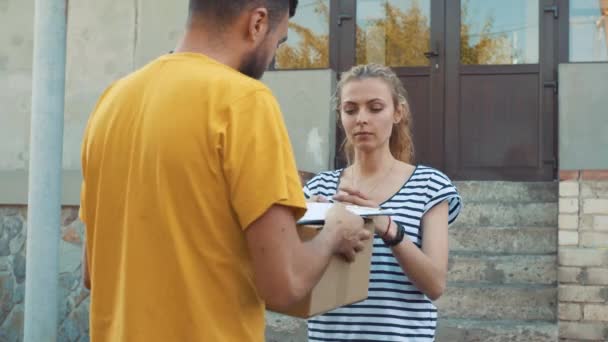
point(347, 230)
point(286, 268)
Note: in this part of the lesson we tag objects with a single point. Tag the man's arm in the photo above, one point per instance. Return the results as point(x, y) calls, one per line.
point(286, 268)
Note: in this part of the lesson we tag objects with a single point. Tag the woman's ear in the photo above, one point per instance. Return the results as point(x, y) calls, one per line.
point(399, 112)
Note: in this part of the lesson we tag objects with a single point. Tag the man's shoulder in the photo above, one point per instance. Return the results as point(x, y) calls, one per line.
point(243, 88)
point(197, 74)
point(207, 72)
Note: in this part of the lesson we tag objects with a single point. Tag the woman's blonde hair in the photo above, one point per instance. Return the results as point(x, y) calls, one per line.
point(401, 143)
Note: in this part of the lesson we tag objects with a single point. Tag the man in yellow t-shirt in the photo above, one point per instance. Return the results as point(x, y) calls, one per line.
point(190, 191)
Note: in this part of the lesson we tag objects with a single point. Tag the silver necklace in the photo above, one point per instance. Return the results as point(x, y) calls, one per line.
point(368, 194)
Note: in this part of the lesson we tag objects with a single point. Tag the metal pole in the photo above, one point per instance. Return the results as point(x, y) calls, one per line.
point(46, 147)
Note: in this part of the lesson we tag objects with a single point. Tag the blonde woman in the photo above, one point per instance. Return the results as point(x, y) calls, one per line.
point(410, 257)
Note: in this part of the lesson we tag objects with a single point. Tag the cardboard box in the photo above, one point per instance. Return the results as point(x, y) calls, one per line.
point(342, 283)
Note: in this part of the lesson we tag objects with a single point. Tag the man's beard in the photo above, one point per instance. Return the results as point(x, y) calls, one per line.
point(254, 64)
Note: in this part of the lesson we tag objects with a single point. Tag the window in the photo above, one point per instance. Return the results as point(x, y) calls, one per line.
point(307, 46)
point(394, 33)
point(499, 32)
point(588, 30)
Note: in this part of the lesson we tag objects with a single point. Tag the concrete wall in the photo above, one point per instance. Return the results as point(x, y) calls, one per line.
point(304, 97)
point(106, 40)
point(16, 46)
point(583, 116)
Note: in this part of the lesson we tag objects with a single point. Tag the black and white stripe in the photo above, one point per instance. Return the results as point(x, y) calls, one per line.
point(395, 310)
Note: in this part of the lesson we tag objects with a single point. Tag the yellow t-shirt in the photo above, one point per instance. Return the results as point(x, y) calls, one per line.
point(178, 159)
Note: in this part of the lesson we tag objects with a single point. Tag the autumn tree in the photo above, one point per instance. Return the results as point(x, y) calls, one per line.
point(399, 38)
point(312, 50)
point(489, 48)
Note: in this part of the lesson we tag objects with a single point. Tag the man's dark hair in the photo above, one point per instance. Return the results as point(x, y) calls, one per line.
point(222, 12)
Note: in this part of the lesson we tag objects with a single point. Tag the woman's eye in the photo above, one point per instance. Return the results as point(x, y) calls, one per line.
point(376, 109)
point(349, 111)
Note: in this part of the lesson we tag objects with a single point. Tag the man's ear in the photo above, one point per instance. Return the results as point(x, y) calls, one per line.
point(258, 24)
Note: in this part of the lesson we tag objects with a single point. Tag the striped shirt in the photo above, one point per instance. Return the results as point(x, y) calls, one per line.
point(395, 309)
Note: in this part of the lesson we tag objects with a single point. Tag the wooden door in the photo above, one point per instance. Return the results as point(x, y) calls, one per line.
point(501, 89)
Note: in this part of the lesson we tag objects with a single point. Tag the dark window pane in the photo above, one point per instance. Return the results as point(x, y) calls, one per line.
point(307, 46)
point(499, 32)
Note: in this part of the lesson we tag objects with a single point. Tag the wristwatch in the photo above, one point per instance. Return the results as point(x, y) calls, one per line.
point(398, 238)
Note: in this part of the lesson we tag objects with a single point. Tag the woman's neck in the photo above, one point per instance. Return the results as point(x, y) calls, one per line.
point(369, 164)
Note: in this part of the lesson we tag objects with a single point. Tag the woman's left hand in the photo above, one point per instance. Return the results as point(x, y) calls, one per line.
point(349, 195)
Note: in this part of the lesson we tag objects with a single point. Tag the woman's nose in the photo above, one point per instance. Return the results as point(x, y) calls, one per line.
point(362, 117)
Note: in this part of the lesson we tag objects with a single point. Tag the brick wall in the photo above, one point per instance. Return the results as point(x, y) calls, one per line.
point(583, 256)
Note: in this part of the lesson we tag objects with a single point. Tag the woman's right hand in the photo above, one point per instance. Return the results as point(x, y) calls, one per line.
point(351, 196)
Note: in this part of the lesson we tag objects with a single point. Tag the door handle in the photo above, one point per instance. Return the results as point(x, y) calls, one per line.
point(343, 17)
point(551, 84)
point(553, 9)
point(431, 54)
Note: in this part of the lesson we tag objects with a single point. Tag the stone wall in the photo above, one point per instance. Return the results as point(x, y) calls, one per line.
point(73, 298)
point(583, 255)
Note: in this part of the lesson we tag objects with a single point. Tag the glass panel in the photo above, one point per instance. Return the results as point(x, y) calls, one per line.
point(499, 32)
point(394, 33)
point(588, 30)
point(307, 46)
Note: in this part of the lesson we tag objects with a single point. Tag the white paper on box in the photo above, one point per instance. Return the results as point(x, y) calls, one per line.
point(316, 212)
